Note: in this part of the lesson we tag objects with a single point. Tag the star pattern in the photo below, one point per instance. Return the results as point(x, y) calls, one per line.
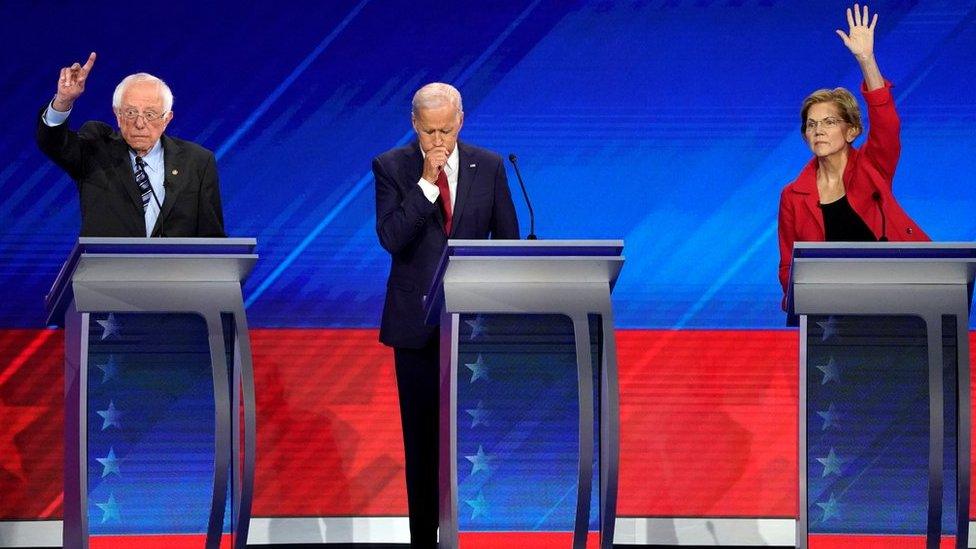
point(111, 416)
point(110, 509)
point(478, 415)
point(477, 326)
point(110, 369)
point(479, 506)
point(479, 461)
point(829, 508)
point(15, 420)
point(831, 463)
point(830, 371)
point(479, 369)
point(830, 328)
point(830, 417)
point(110, 326)
point(110, 463)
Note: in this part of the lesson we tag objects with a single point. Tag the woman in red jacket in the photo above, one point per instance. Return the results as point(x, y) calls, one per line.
point(844, 193)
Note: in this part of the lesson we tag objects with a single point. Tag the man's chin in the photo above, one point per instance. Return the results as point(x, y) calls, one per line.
point(139, 144)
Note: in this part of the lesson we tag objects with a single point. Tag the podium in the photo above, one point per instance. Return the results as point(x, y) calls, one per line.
point(884, 416)
point(529, 434)
point(157, 373)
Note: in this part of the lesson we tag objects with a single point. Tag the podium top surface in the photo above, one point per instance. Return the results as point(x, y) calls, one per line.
point(883, 262)
point(533, 248)
point(884, 250)
point(867, 263)
point(492, 262)
point(149, 260)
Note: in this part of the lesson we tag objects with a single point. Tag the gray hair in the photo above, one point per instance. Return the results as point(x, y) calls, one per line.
point(434, 95)
point(164, 90)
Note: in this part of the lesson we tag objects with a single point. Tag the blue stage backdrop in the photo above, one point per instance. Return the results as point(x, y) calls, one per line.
point(671, 124)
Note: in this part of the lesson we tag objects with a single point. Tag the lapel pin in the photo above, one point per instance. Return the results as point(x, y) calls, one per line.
point(176, 172)
point(473, 166)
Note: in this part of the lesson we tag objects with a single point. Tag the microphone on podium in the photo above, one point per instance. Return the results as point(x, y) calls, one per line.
point(514, 160)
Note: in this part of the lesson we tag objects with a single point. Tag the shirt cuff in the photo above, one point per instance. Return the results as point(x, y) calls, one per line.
point(429, 189)
point(53, 117)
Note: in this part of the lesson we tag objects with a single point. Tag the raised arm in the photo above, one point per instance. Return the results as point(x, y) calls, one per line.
point(53, 136)
point(860, 40)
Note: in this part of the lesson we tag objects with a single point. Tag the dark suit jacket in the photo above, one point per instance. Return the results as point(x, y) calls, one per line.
point(412, 229)
point(97, 158)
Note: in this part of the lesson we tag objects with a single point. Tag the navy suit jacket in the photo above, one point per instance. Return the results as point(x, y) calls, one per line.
point(411, 228)
point(97, 158)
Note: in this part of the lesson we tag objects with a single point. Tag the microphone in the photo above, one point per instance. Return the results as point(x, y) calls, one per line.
point(514, 160)
point(884, 225)
point(141, 163)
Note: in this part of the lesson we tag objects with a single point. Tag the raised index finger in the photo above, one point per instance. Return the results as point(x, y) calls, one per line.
point(88, 64)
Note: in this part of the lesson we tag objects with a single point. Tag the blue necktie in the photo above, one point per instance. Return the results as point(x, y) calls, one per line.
point(143, 180)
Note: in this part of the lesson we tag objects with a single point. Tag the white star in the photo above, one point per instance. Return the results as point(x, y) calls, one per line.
point(830, 417)
point(479, 461)
point(829, 328)
point(477, 326)
point(829, 508)
point(110, 326)
point(479, 506)
point(831, 463)
point(110, 369)
point(478, 369)
point(111, 416)
point(110, 464)
point(478, 415)
point(110, 509)
point(830, 371)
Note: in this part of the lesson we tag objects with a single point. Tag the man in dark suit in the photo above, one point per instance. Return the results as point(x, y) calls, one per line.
point(426, 192)
point(137, 181)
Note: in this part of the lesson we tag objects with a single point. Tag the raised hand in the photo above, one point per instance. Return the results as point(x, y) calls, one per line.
point(860, 37)
point(71, 83)
point(434, 162)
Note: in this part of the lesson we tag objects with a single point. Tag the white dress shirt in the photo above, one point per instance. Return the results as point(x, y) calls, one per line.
point(451, 169)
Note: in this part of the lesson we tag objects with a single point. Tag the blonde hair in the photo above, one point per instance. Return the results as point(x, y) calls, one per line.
point(842, 98)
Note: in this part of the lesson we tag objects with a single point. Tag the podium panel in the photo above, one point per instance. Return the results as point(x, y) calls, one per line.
point(150, 435)
point(884, 392)
point(867, 436)
point(529, 412)
point(517, 424)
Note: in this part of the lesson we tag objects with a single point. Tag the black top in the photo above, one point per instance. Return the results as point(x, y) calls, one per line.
point(842, 224)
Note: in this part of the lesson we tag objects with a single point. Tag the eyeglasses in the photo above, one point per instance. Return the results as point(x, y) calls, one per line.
point(828, 123)
point(149, 116)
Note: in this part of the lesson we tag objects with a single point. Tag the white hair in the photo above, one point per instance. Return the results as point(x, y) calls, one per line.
point(434, 95)
point(164, 91)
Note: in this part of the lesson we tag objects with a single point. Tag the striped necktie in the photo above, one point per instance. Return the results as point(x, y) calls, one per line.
point(142, 179)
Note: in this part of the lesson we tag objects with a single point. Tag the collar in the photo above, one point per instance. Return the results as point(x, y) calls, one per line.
point(153, 158)
point(806, 182)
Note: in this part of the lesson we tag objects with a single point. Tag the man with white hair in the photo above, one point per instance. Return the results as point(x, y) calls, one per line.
point(426, 192)
point(137, 181)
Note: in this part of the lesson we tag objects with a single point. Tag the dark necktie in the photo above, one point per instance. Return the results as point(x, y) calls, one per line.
point(142, 179)
point(445, 200)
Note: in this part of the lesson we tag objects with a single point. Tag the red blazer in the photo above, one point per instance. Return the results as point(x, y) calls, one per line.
point(867, 183)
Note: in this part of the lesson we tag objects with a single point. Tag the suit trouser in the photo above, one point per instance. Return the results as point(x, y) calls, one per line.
point(418, 379)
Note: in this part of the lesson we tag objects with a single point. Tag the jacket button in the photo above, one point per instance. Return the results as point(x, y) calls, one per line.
point(909, 230)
